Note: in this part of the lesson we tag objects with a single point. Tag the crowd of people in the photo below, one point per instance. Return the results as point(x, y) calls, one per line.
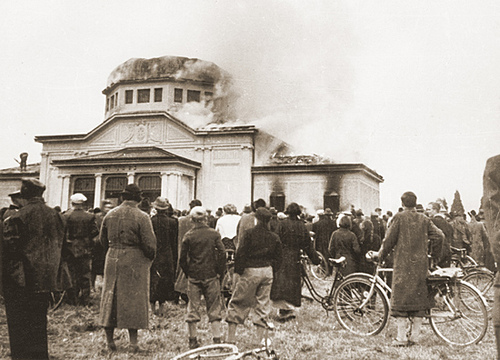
point(149, 254)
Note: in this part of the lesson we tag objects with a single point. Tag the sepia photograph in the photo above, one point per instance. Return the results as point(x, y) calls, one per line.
point(234, 179)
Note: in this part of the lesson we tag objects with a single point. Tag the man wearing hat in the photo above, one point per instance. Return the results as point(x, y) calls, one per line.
point(166, 229)
point(128, 234)
point(81, 228)
point(203, 260)
point(32, 243)
point(17, 203)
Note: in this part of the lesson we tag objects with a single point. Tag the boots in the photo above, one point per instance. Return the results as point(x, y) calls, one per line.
point(414, 332)
point(402, 337)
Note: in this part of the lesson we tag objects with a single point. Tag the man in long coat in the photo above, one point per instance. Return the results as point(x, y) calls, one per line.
point(491, 205)
point(409, 234)
point(131, 243)
point(32, 244)
point(438, 219)
point(323, 230)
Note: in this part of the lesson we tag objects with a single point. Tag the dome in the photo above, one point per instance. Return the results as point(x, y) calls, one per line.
point(166, 67)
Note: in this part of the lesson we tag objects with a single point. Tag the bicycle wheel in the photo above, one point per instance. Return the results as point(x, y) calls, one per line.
point(319, 271)
point(483, 280)
point(459, 315)
point(369, 320)
point(215, 351)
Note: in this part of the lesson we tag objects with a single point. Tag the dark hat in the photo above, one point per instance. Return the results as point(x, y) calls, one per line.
point(328, 211)
point(359, 212)
point(18, 193)
point(132, 189)
point(263, 214)
point(31, 187)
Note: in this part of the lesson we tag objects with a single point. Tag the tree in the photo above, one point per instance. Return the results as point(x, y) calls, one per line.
point(457, 207)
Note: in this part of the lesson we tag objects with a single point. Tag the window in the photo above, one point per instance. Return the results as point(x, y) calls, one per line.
point(143, 95)
point(150, 186)
point(107, 104)
point(178, 95)
point(193, 95)
point(129, 96)
point(116, 99)
point(115, 186)
point(112, 102)
point(85, 186)
point(209, 96)
point(158, 94)
point(277, 200)
point(332, 201)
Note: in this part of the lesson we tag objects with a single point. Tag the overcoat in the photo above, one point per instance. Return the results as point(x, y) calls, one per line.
point(323, 230)
point(287, 283)
point(343, 242)
point(166, 230)
point(181, 282)
point(132, 244)
point(408, 235)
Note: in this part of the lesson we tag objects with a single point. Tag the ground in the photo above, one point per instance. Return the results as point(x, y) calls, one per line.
point(313, 335)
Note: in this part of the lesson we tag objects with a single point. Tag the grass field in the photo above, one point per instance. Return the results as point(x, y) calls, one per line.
point(314, 335)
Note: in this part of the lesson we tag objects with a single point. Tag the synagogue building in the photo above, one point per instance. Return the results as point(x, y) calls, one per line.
point(143, 140)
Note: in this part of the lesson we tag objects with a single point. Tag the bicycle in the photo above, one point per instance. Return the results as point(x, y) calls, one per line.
point(326, 301)
point(459, 315)
point(231, 351)
point(227, 281)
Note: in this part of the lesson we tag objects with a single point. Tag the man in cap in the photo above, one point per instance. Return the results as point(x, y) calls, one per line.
point(258, 254)
point(32, 243)
point(128, 234)
point(81, 228)
point(203, 260)
point(438, 219)
point(185, 224)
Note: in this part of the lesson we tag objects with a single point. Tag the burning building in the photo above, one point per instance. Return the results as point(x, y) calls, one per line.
point(168, 127)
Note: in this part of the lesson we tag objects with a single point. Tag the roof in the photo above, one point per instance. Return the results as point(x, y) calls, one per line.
point(304, 167)
point(142, 155)
point(32, 170)
point(174, 68)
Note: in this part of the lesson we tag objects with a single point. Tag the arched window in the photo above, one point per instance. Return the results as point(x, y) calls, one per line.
point(85, 186)
point(150, 186)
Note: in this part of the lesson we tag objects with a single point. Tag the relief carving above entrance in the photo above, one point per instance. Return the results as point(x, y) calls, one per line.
point(141, 132)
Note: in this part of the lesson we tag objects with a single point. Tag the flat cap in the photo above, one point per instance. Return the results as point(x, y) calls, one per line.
point(18, 193)
point(78, 198)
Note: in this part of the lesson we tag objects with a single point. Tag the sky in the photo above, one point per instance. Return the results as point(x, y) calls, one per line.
point(411, 89)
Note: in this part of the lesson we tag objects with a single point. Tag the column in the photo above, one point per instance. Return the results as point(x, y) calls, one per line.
point(173, 189)
point(130, 176)
point(65, 192)
point(97, 190)
point(164, 184)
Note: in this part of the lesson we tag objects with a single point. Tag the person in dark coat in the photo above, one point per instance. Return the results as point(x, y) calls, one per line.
point(409, 234)
point(258, 254)
point(81, 228)
point(323, 230)
point(343, 242)
point(166, 229)
point(490, 204)
point(286, 289)
point(438, 219)
point(128, 234)
point(32, 245)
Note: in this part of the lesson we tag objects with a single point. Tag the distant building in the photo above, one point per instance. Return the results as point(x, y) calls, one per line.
point(142, 141)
